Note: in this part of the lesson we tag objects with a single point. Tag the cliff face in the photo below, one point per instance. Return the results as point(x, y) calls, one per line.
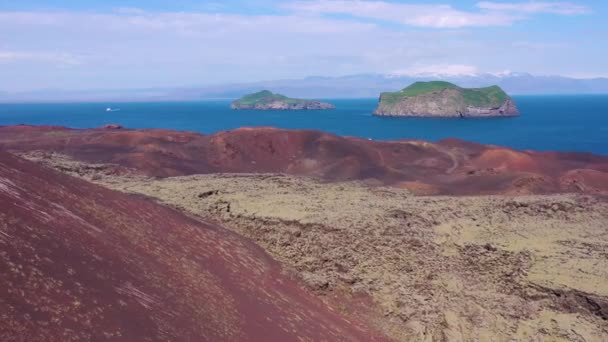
point(282, 105)
point(442, 99)
point(266, 100)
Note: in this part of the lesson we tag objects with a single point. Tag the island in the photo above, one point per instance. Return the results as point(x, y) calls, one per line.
point(446, 100)
point(267, 100)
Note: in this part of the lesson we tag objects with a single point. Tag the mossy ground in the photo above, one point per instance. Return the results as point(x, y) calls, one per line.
point(492, 96)
point(263, 97)
point(487, 268)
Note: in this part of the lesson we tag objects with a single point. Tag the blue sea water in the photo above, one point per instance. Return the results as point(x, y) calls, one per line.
point(555, 122)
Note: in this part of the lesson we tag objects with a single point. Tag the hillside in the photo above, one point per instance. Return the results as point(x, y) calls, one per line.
point(448, 167)
point(82, 263)
point(410, 264)
point(495, 268)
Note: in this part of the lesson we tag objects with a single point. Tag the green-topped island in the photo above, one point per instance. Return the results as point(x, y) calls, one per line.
point(446, 100)
point(267, 100)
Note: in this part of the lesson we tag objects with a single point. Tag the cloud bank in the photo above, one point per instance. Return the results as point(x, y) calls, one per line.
point(135, 47)
point(437, 16)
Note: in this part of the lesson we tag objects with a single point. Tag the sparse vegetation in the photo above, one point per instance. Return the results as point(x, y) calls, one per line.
point(474, 262)
point(420, 88)
point(479, 268)
point(267, 100)
point(485, 97)
point(264, 96)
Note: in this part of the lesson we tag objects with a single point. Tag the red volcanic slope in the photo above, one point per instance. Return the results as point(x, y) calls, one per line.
point(80, 262)
point(448, 167)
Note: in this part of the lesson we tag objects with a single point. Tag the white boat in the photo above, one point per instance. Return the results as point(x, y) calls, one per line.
point(111, 109)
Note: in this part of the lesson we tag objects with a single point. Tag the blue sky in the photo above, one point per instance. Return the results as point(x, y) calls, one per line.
point(75, 44)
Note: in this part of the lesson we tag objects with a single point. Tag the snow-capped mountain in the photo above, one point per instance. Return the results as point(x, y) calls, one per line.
point(371, 85)
point(350, 86)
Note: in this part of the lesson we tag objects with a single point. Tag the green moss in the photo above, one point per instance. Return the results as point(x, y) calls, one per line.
point(492, 96)
point(264, 96)
point(485, 97)
point(420, 88)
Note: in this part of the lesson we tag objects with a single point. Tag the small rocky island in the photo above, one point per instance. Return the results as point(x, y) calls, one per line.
point(267, 100)
point(446, 100)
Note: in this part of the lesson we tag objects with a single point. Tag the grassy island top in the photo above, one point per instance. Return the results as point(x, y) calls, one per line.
point(264, 96)
point(478, 97)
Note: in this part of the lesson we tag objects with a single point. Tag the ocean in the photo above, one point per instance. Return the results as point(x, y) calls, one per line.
point(548, 122)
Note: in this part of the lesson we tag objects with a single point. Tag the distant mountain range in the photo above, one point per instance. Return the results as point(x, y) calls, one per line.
point(353, 86)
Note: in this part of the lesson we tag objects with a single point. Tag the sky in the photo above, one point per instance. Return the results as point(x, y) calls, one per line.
point(111, 44)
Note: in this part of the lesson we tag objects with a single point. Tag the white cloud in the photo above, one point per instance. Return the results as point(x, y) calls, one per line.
point(564, 8)
point(138, 48)
point(58, 58)
point(129, 10)
point(136, 20)
point(135, 48)
point(539, 45)
point(436, 15)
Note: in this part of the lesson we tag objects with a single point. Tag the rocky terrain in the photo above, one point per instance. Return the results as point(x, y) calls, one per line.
point(446, 100)
point(266, 100)
point(365, 227)
point(449, 167)
point(79, 262)
point(487, 268)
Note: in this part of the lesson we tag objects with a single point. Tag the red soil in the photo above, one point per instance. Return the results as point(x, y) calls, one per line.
point(448, 167)
point(80, 262)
